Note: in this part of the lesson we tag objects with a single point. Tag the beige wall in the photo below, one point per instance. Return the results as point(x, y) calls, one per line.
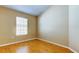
point(53, 24)
point(8, 25)
point(74, 27)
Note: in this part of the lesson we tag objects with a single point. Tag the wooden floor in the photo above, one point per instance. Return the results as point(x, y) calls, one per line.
point(35, 46)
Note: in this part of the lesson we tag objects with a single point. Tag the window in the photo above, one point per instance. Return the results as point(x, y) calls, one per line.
point(21, 26)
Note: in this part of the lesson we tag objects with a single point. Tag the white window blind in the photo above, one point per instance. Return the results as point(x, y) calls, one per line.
point(21, 26)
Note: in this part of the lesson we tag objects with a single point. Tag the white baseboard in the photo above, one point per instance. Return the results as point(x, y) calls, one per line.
point(15, 42)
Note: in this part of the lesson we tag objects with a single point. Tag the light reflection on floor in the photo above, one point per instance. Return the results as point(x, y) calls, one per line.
point(22, 49)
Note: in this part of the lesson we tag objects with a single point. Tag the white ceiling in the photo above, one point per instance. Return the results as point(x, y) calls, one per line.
point(34, 10)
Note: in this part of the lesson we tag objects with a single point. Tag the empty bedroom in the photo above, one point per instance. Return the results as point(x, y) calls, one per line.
point(39, 29)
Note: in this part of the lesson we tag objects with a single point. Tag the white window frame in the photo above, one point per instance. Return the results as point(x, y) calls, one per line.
point(19, 29)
